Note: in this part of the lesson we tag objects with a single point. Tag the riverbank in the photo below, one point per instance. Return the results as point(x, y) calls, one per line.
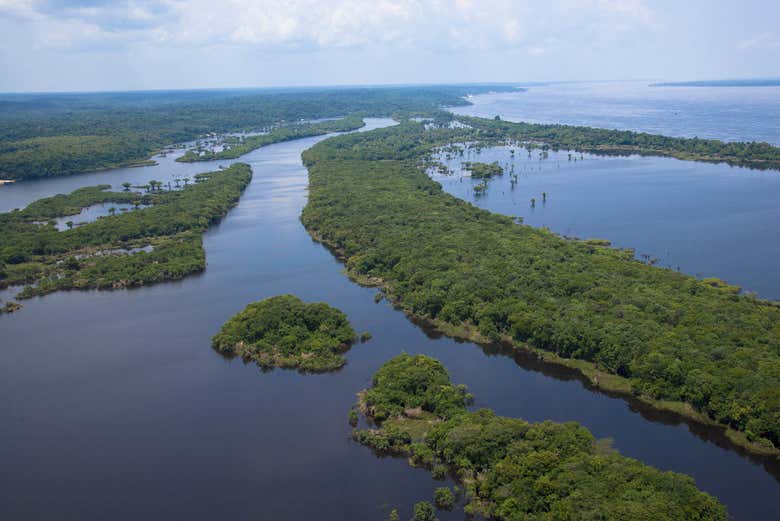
point(593, 377)
point(447, 261)
point(512, 469)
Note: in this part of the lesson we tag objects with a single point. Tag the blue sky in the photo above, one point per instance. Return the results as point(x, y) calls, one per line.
point(151, 44)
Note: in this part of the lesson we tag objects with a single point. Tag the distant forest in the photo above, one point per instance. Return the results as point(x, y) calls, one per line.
point(47, 135)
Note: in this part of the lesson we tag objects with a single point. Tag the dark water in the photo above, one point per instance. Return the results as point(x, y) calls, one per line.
point(114, 406)
point(726, 113)
point(703, 219)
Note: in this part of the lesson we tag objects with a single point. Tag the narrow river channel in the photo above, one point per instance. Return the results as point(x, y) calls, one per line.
point(114, 404)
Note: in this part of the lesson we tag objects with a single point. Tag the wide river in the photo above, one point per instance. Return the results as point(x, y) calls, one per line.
point(726, 113)
point(114, 406)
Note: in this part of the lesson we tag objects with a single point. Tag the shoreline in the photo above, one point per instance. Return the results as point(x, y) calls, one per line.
point(588, 373)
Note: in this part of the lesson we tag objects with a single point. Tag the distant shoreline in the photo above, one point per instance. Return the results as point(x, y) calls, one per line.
point(719, 83)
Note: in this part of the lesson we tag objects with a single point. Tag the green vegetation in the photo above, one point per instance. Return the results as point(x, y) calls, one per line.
point(444, 498)
point(47, 135)
point(283, 331)
point(277, 135)
point(135, 248)
point(604, 141)
point(512, 469)
point(424, 511)
point(631, 327)
point(62, 205)
point(483, 170)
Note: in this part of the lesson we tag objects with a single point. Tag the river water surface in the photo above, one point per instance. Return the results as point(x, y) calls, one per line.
point(707, 220)
point(726, 113)
point(114, 406)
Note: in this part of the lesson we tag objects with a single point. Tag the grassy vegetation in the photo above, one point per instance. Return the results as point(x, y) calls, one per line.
point(283, 331)
point(98, 255)
point(512, 469)
point(47, 135)
point(277, 135)
point(663, 336)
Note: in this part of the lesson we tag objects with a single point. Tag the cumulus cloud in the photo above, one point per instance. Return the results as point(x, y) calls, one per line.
point(444, 25)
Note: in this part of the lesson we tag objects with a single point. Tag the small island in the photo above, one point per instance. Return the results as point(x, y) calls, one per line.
point(512, 469)
point(283, 331)
point(483, 170)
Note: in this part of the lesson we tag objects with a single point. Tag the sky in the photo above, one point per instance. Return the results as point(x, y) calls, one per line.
point(89, 45)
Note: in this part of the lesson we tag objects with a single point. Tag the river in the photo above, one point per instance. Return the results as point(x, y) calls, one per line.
point(726, 113)
point(115, 406)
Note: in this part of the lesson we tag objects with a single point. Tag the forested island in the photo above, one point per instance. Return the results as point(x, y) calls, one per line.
point(696, 347)
point(49, 135)
point(159, 242)
point(625, 142)
point(277, 135)
point(285, 332)
point(512, 469)
point(483, 170)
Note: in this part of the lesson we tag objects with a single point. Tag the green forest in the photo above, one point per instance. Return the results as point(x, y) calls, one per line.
point(143, 246)
point(658, 334)
point(277, 135)
point(511, 469)
point(47, 135)
point(483, 170)
point(624, 142)
point(284, 331)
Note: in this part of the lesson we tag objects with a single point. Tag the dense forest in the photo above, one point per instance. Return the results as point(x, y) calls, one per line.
point(512, 469)
point(46, 135)
point(284, 331)
point(631, 327)
point(143, 246)
point(605, 141)
point(242, 146)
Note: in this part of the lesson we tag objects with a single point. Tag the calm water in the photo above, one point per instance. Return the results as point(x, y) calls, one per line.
point(727, 113)
point(703, 219)
point(114, 406)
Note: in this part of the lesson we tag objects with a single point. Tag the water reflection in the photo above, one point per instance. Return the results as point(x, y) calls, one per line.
point(115, 405)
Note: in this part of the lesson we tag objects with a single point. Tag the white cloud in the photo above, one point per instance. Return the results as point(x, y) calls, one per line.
point(320, 24)
point(761, 42)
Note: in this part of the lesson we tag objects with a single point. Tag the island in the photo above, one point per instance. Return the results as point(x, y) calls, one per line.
point(239, 146)
point(483, 170)
point(160, 240)
point(285, 332)
point(60, 134)
point(695, 347)
point(512, 469)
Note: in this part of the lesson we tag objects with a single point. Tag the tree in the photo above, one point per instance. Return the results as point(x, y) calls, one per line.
point(444, 498)
point(533, 202)
point(69, 224)
point(424, 511)
point(393, 515)
point(127, 186)
point(112, 210)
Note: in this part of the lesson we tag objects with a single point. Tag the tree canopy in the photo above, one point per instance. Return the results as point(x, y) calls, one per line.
point(284, 331)
point(516, 470)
